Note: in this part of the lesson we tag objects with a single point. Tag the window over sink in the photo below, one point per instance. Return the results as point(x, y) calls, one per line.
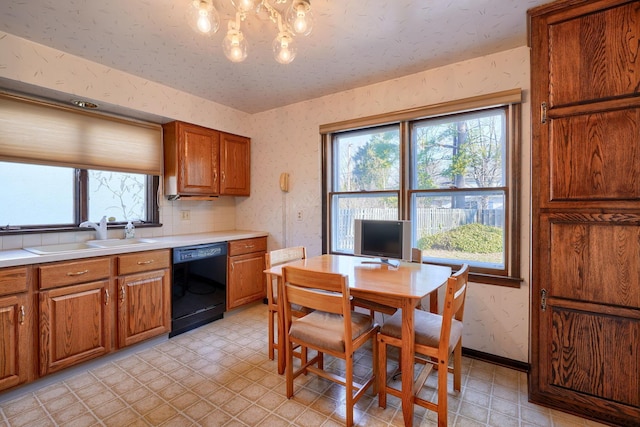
point(41, 197)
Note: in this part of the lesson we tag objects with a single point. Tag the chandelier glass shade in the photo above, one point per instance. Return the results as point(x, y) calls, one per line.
point(297, 21)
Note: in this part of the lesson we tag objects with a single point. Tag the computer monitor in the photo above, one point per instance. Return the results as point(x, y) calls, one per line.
point(386, 239)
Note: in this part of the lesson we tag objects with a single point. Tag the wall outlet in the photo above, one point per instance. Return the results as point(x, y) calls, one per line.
point(185, 215)
point(299, 215)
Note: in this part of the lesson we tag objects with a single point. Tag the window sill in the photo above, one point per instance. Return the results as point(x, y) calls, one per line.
point(490, 279)
point(24, 230)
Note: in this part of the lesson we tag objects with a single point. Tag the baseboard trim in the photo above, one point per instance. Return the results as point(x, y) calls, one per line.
point(496, 360)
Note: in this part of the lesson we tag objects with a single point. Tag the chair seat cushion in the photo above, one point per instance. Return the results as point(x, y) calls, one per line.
point(427, 328)
point(326, 330)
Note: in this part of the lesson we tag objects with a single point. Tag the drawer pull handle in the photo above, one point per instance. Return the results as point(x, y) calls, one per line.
point(77, 273)
point(106, 297)
point(151, 261)
point(122, 293)
point(21, 318)
point(249, 246)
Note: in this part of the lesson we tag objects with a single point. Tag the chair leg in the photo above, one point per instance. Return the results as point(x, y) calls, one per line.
point(442, 393)
point(349, 389)
point(271, 335)
point(382, 374)
point(289, 369)
point(457, 366)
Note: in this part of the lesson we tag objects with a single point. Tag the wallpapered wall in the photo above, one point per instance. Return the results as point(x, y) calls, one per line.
point(287, 140)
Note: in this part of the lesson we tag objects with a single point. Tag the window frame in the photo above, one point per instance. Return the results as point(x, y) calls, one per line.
point(510, 100)
point(81, 208)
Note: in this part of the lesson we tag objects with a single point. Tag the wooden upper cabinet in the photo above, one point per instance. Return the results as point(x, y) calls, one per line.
point(235, 166)
point(191, 159)
point(204, 162)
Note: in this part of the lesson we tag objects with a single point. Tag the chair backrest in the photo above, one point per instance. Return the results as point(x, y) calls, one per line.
point(277, 257)
point(280, 256)
point(416, 255)
point(454, 300)
point(326, 292)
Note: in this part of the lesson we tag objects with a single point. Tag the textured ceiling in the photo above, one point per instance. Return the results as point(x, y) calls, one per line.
point(354, 43)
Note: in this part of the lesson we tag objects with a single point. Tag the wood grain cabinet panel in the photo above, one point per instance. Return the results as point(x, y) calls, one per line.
point(144, 296)
point(74, 325)
point(245, 271)
point(585, 275)
point(16, 327)
point(235, 165)
point(191, 159)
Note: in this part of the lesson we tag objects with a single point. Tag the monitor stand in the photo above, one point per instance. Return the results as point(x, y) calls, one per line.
point(384, 261)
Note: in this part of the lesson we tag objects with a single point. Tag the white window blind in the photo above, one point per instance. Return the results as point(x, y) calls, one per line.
point(37, 132)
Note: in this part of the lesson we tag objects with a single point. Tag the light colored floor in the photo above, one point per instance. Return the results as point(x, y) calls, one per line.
point(219, 375)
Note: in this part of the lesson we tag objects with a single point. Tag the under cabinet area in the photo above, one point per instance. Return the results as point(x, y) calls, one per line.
point(16, 339)
point(200, 162)
point(245, 273)
point(144, 296)
point(75, 321)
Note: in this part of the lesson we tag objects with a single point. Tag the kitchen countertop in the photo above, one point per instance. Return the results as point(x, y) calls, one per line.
point(17, 257)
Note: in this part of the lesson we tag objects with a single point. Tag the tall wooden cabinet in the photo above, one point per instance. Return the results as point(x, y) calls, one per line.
point(585, 312)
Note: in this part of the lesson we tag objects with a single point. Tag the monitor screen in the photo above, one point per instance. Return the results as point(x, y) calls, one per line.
point(383, 238)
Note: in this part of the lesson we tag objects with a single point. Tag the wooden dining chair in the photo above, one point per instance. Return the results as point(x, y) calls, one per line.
point(331, 328)
point(276, 324)
point(437, 337)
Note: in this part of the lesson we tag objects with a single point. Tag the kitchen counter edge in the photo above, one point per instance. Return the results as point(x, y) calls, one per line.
point(18, 257)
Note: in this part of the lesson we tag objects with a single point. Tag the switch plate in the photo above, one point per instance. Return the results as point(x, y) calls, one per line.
point(185, 215)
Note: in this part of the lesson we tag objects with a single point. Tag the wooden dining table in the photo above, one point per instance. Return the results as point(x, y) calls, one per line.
point(401, 287)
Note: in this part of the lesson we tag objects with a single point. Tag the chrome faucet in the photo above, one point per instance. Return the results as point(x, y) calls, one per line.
point(101, 228)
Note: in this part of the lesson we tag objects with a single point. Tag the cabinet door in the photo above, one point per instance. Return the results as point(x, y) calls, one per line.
point(246, 281)
point(585, 277)
point(74, 325)
point(15, 327)
point(144, 309)
point(235, 165)
point(198, 158)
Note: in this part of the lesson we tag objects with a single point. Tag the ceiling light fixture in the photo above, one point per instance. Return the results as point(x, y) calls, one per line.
point(298, 20)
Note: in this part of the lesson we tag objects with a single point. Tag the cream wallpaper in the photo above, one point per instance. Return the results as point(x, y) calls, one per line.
point(287, 140)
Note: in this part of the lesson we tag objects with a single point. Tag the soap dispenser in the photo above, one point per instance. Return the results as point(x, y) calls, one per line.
point(129, 231)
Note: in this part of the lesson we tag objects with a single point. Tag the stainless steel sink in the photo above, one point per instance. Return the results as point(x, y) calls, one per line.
point(62, 247)
point(110, 243)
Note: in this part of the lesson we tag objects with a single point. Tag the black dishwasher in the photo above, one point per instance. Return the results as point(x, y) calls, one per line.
point(199, 286)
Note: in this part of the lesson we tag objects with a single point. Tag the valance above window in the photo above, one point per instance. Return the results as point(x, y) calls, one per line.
point(37, 132)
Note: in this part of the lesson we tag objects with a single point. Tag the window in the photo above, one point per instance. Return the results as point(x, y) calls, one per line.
point(61, 166)
point(451, 171)
point(57, 197)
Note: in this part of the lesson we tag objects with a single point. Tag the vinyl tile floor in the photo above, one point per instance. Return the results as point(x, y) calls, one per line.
point(220, 375)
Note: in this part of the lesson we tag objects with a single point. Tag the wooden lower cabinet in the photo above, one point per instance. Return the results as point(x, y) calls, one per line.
point(245, 272)
point(16, 328)
point(75, 325)
point(144, 296)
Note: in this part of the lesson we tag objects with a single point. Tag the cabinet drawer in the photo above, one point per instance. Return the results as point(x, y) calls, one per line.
point(143, 261)
point(13, 280)
point(246, 246)
point(70, 273)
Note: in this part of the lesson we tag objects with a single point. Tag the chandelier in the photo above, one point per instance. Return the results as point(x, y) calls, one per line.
point(298, 21)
